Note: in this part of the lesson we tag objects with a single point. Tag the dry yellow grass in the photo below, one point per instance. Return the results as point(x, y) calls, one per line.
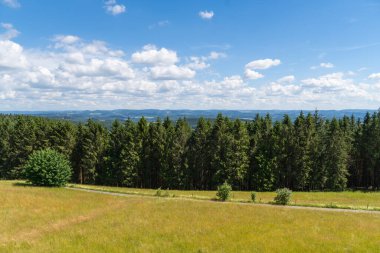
point(60, 220)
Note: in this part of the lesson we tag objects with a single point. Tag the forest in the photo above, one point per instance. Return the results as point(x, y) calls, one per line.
point(308, 154)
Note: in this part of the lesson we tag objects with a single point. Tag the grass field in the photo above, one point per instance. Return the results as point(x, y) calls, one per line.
point(37, 219)
point(347, 199)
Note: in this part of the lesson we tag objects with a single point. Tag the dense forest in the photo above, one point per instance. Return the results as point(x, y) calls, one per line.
point(309, 153)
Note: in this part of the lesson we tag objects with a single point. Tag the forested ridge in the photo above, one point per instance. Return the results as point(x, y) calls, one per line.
point(309, 153)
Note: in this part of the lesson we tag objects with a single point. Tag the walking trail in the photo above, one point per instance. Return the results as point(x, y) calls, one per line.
point(227, 202)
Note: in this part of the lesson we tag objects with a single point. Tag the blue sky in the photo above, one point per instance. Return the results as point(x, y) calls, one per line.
point(198, 54)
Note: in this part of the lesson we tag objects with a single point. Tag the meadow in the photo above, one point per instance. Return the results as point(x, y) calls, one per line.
point(35, 219)
point(346, 199)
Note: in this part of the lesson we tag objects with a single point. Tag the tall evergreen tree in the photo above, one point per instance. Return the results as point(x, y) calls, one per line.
point(197, 158)
point(336, 157)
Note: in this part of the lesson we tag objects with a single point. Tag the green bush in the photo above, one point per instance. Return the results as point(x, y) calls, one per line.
point(283, 196)
point(47, 168)
point(253, 196)
point(224, 190)
point(158, 192)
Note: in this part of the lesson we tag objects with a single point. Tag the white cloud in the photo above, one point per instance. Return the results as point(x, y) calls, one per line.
point(216, 55)
point(253, 75)
point(151, 55)
point(327, 65)
point(171, 72)
point(66, 39)
point(263, 64)
point(280, 89)
point(11, 3)
point(10, 32)
point(197, 63)
point(80, 74)
point(11, 55)
point(250, 68)
point(286, 79)
point(201, 62)
point(332, 81)
point(206, 14)
point(113, 8)
point(374, 76)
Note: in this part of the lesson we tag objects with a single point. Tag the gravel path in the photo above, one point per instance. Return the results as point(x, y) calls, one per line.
point(324, 209)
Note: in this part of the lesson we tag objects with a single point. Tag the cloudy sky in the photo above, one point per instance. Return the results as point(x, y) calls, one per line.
point(189, 54)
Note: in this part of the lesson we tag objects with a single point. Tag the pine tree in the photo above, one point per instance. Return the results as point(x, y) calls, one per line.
point(218, 148)
point(91, 147)
point(155, 151)
point(336, 157)
point(285, 153)
point(198, 162)
point(237, 157)
point(143, 151)
point(21, 145)
point(262, 154)
point(303, 131)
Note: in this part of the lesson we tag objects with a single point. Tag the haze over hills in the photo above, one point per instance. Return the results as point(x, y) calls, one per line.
point(191, 115)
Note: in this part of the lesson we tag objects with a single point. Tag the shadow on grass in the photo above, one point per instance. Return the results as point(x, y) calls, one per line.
point(25, 184)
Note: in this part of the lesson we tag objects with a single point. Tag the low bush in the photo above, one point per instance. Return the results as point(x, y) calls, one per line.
point(253, 196)
point(283, 196)
point(158, 192)
point(47, 168)
point(224, 191)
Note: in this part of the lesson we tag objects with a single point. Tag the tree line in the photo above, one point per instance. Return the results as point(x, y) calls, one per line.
point(309, 153)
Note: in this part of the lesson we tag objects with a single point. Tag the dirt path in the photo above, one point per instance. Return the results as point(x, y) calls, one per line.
point(227, 203)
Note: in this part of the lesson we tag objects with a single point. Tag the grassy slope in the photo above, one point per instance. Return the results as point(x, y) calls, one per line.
point(58, 220)
point(355, 200)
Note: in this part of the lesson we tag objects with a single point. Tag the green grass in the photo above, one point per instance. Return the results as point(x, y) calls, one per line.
point(35, 219)
point(346, 200)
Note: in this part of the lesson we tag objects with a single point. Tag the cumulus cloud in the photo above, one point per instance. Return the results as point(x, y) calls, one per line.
point(113, 8)
point(250, 68)
point(286, 79)
point(374, 76)
point(10, 32)
point(326, 65)
point(11, 3)
point(263, 64)
point(253, 75)
point(151, 55)
point(206, 14)
point(172, 72)
point(216, 55)
point(197, 63)
point(11, 55)
point(78, 74)
point(202, 62)
point(66, 39)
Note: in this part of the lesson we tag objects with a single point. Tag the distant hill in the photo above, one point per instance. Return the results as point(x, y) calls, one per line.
point(191, 115)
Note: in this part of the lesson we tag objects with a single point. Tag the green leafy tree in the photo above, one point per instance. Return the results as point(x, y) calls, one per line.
point(47, 168)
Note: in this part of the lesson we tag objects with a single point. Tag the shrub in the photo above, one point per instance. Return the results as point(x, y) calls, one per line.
point(158, 192)
point(224, 190)
point(47, 168)
point(283, 196)
point(253, 196)
point(166, 193)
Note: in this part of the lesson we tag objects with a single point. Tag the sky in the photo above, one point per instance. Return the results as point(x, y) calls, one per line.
point(189, 54)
